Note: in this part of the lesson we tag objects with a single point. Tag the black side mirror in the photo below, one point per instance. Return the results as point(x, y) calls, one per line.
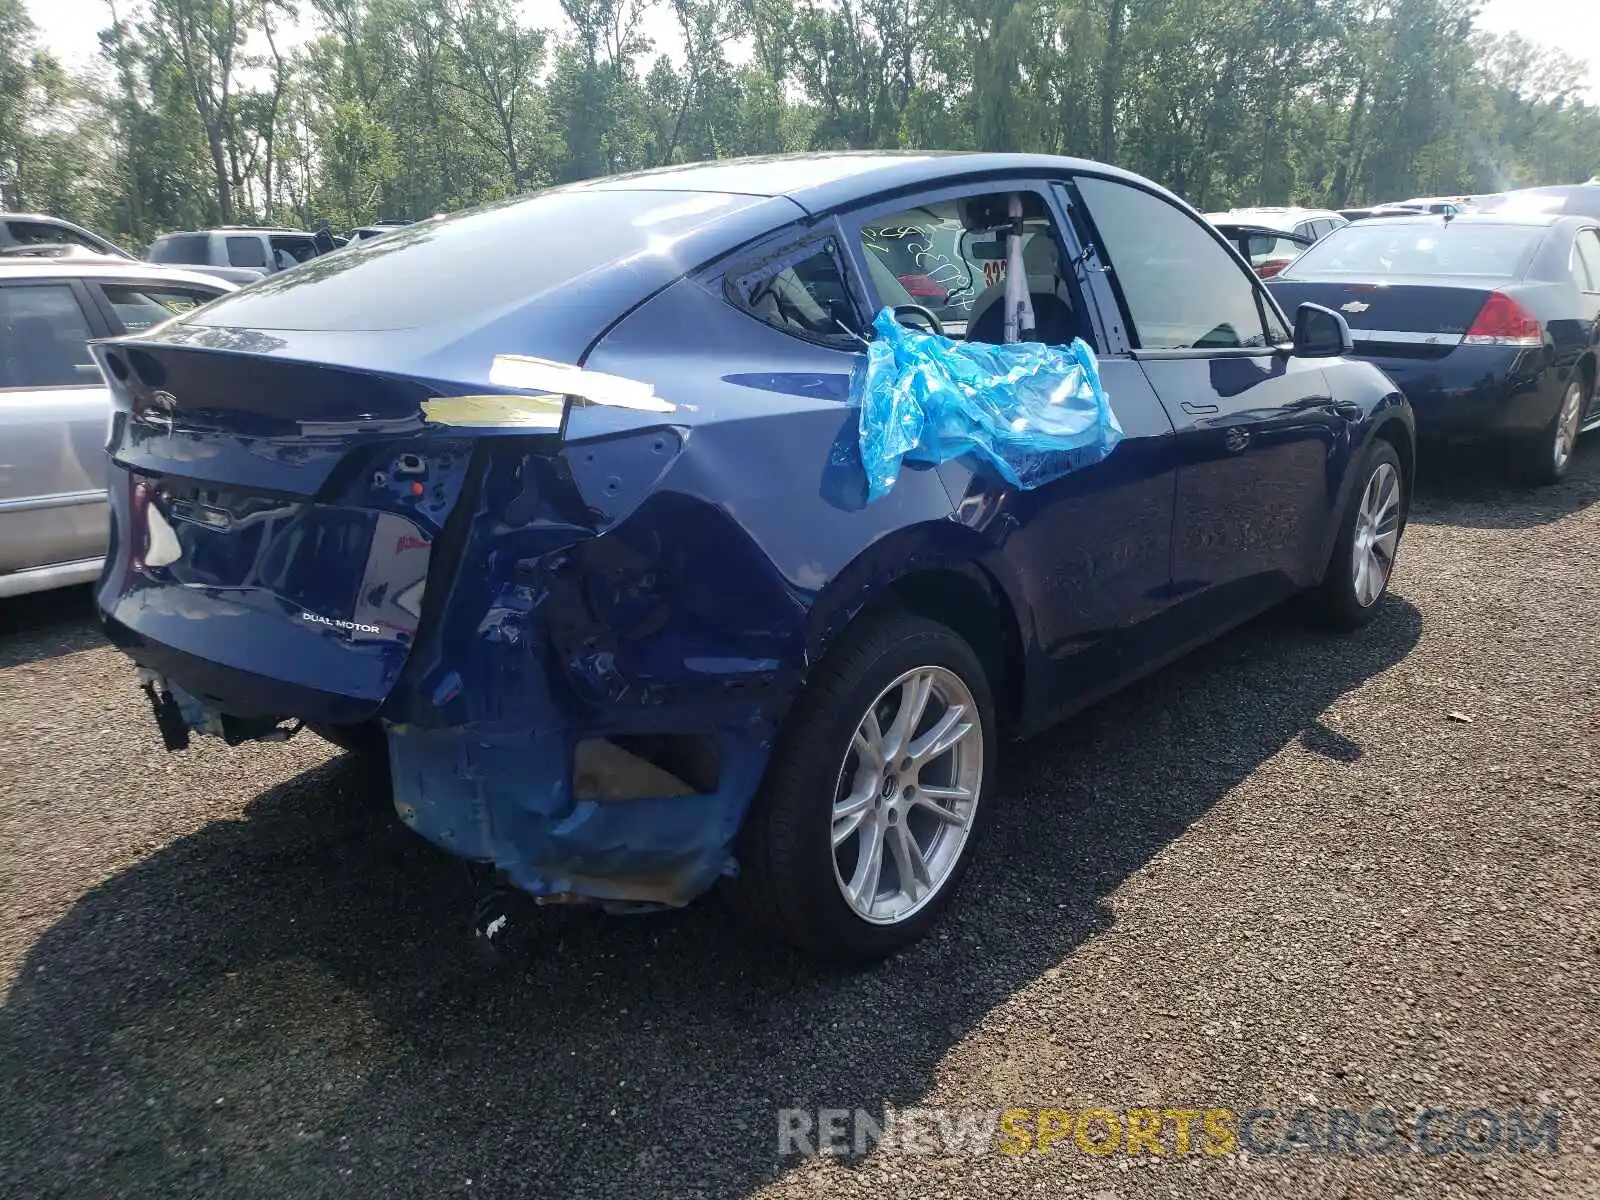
point(1321, 333)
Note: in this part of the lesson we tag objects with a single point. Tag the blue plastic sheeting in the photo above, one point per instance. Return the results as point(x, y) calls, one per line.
point(1032, 412)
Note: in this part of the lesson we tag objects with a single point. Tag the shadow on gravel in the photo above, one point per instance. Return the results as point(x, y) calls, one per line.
point(288, 1005)
point(1467, 487)
point(46, 625)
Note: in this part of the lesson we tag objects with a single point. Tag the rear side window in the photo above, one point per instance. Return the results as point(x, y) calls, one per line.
point(44, 338)
point(1456, 248)
point(801, 292)
point(1182, 290)
point(181, 248)
point(246, 252)
point(139, 306)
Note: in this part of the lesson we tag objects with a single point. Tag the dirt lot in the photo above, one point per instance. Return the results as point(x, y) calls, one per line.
point(1280, 874)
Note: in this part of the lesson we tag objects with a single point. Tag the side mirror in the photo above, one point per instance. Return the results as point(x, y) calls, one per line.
point(1321, 333)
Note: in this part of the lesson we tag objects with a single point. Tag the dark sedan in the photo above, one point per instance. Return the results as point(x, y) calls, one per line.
point(1489, 323)
point(576, 530)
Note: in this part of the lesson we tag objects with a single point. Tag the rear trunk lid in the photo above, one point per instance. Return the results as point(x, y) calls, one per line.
point(1398, 318)
point(293, 464)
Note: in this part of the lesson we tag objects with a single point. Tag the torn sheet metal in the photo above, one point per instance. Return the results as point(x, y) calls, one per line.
point(1032, 412)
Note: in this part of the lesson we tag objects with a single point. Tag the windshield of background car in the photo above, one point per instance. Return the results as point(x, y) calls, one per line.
point(1436, 248)
point(484, 260)
point(181, 248)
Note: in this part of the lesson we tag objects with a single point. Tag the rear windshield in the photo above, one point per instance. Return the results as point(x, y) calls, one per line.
point(181, 248)
point(481, 261)
point(1436, 248)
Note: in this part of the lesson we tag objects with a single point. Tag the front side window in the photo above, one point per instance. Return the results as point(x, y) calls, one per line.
point(801, 291)
point(246, 252)
point(1586, 248)
point(139, 306)
point(44, 338)
point(1181, 289)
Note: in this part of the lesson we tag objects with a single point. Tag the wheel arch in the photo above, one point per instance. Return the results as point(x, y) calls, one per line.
point(944, 583)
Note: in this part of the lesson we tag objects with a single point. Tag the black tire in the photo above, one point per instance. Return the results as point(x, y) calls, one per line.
point(368, 746)
point(1537, 463)
point(787, 883)
point(1337, 598)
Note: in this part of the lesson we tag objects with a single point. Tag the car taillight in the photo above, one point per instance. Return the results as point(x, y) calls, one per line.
point(1268, 269)
point(1504, 322)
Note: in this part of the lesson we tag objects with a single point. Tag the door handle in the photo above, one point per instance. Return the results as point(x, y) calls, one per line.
point(1198, 410)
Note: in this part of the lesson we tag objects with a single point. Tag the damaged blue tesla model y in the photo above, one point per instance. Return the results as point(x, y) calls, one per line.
point(716, 523)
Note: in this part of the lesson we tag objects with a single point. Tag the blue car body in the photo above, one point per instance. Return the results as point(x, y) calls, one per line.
point(293, 538)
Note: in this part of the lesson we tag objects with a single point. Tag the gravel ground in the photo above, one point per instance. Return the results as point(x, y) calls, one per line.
point(1282, 873)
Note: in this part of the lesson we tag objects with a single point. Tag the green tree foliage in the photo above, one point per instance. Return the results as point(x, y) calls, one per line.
point(206, 111)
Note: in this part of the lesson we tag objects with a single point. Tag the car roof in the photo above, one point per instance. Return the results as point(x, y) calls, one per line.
point(821, 181)
point(236, 229)
point(1281, 218)
point(1530, 219)
point(106, 267)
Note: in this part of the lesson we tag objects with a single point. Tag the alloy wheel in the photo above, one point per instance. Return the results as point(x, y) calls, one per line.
point(907, 794)
point(1377, 533)
point(1568, 421)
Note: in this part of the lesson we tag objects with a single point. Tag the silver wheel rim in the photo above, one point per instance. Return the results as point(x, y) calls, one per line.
point(1567, 426)
point(1377, 534)
point(906, 795)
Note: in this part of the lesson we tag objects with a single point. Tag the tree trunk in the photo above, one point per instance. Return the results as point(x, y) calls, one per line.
point(1111, 79)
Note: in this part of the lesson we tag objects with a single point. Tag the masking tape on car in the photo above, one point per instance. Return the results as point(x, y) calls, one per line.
point(545, 375)
point(496, 411)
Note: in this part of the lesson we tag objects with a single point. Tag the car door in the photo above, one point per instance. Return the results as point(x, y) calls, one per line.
point(1586, 253)
point(1089, 553)
point(53, 412)
point(1261, 444)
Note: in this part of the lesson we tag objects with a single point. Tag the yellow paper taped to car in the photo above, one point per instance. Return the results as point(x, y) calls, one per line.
point(496, 411)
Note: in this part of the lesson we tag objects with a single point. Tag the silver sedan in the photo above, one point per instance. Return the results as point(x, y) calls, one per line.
point(54, 405)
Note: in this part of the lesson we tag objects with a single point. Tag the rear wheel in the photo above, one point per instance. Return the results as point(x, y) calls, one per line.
point(872, 804)
point(1369, 539)
point(1547, 458)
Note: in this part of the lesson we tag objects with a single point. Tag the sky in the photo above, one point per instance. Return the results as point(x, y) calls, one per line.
point(68, 28)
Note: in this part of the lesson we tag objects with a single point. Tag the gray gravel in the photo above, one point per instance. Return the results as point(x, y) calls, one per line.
point(1279, 873)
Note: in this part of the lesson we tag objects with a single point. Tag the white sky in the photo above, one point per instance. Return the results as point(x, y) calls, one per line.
point(69, 27)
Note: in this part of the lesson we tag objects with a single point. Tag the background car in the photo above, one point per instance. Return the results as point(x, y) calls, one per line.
point(1313, 223)
point(265, 251)
point(377, 229)
point(1579, 199)
point(623, 645)
point(54, 405)
point(1268, 251)
point(29, 229)
point(1489, 323)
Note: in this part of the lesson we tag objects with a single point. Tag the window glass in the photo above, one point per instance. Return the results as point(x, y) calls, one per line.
point(802, 292)
point(1181, 288)
point(246, 252)
point(294, 249)
point(1587, 248)
point(1399, 247)
point(44, 338)
point(181, 248)
point(949, 257)
point(42, 233)
point(139, 306)
point(1264, 248)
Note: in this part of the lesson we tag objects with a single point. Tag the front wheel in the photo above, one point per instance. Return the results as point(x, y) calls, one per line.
point(1369, 539)
point(873, 800)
